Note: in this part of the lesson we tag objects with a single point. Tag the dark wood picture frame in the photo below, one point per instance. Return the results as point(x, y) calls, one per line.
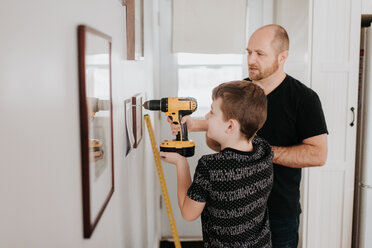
point(97, 149)
point(135, 29)
point(137, 119)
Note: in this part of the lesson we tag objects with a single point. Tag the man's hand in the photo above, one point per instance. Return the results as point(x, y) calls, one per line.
point(192, 125)
point(172, 158)
point(98, 155)
point(177, 127)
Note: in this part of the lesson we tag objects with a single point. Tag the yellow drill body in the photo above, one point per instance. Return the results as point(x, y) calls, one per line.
point(175, 108)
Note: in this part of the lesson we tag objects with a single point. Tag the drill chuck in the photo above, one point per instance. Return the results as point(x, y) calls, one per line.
point(157, 105)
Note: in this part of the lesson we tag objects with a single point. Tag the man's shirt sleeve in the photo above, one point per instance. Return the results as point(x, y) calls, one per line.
point(310, 118)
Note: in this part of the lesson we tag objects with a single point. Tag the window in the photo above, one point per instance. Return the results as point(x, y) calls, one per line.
point(198, 74)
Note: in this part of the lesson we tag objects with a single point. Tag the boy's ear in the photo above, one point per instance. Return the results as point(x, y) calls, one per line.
point(233, 126)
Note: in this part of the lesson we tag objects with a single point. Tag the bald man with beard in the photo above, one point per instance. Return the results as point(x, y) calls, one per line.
point(295, 128)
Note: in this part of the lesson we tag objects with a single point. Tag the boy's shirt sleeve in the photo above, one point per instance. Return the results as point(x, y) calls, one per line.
point(198, 190)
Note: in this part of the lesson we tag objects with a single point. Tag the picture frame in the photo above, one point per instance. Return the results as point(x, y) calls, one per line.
point(128, 125)
point(135, 29)
point(137, 119)
point(96, 125)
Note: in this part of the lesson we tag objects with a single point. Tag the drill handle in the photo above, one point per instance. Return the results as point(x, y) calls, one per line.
point(182, 135)
point(176, 119)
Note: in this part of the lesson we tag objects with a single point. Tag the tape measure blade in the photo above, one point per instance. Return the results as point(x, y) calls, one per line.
point(163, 185)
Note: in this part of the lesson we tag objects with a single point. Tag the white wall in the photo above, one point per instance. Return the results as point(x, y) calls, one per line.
point(296, 21)
point(40, 179)
point(366, 7)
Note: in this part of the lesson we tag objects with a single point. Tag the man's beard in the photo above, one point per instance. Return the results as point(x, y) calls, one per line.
point(264, 73)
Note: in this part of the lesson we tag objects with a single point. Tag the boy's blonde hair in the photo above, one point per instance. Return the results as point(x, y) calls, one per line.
point(245, 102)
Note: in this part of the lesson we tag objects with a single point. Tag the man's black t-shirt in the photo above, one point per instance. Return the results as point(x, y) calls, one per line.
point(294, 113)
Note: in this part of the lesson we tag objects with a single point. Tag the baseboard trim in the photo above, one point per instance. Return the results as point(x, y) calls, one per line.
point(184, 244)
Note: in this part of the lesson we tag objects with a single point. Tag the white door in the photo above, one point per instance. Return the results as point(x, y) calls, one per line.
point(335, 58)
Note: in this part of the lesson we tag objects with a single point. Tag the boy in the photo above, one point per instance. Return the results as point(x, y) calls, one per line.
point(230, 188)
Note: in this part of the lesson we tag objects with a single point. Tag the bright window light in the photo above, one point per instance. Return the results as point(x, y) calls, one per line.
point(198, 74)
point(209, 59)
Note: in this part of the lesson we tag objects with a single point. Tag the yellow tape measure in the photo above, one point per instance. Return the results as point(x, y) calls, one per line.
point(163, 185)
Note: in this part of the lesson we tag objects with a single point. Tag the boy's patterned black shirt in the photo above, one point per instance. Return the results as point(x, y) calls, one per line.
point(235, 186)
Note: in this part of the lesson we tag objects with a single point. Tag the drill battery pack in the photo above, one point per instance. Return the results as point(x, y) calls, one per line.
point(184, 148)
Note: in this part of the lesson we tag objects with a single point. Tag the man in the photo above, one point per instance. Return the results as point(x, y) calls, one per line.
point(295, 128)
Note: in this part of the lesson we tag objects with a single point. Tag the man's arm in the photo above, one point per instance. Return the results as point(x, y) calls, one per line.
point(196, 126)
point(214, 145)
point(312, 152)
point(192, 125)
point(189, 208)
point(201, 125)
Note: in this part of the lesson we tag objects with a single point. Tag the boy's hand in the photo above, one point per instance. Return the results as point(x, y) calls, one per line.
point(177, 127)
point(172, 157)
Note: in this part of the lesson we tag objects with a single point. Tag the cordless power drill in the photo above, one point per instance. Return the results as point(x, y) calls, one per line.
point(176, 108)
